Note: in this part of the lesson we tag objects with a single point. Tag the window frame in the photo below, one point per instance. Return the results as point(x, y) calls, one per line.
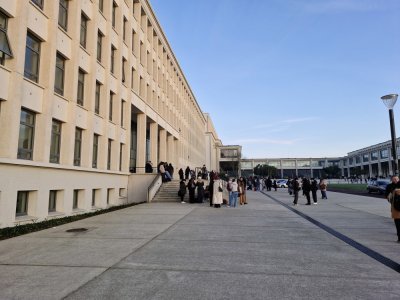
point(29, 50)
point(75, 200)
point(97, 98)
point(78, 146)
point(55, 142)
point(99, 50)
point(80, 92)
point(25, 204)
point(95, 150)
point(52, 201)
point(63, 8)
point(112, 62)
point(109, 153)
point(83, 30)
point(110, 107)
point(38, 3)
point(59, 71)
point(3, 31)
point(22, 151)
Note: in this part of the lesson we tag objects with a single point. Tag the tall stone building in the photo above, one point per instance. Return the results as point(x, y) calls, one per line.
point(89, 91)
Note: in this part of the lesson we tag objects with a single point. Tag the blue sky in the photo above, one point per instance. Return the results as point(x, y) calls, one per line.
point(289, 78)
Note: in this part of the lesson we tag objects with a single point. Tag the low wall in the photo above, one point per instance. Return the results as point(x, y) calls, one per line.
point(137, 187)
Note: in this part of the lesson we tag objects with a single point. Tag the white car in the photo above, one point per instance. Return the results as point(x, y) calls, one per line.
point(282, 183)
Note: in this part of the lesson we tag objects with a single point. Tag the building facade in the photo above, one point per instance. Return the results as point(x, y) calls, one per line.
point(90, 91)
point(291, 167)
point(372, 161)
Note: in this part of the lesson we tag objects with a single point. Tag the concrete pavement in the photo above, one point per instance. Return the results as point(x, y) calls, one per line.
point(262, 250)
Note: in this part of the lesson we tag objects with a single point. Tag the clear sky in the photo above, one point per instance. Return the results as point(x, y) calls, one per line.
point(289, 78)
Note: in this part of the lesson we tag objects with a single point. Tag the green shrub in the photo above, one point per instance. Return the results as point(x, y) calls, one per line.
point(9, 232)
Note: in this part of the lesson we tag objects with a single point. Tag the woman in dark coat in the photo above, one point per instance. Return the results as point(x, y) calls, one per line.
point(192, 188)
point(180, 172)
point(182, 190)
point(200, 191)
point(314, 189)
point(187, 172)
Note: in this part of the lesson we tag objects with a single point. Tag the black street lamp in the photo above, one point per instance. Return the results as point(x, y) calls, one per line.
point(390, 101)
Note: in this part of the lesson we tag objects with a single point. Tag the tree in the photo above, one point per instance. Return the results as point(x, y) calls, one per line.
point(265, 170)
point(332, 172)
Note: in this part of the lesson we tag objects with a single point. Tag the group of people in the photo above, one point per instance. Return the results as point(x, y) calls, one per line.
point(165, 169)
point(308, 186)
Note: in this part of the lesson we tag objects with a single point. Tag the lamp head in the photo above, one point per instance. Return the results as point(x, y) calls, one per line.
point(389, 100)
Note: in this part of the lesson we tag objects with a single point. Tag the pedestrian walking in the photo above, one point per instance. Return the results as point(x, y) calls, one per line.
point(323, 185)
point(180, 172)
point(217, 192)
point(314, 189)
point(392, 194)
point(182, 190)
point(234, 192)
point(306, 190)
point(242, 191)
point(200, 190)
point(296, 189)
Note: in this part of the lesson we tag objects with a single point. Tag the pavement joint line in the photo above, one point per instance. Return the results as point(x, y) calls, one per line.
point(134, 251)
point(364, 249)
point(251, 273)
point(53, 266)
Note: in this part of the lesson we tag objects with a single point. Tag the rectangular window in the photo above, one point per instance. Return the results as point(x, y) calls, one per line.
point(110, 107)
point(22, 203)
point(114, 11)
point(134, 41)
point(84, 24)
point(374, 155)
point(365, 157)
point(109, 154)
point(78, 146)
point(123, 69)
point(101, 5)
point(124, 29)
point(63, 14)
point(55, 142)
point(5, 49)
point(39, 3)
point(142, 54)
point(121, 147)
point(112, 66)
point(133, 79)
point(108, 196)
point(384, 153)
point(94, 192)
point(60, 75)
point(81, 87)
point(122, 112)
point(26, 134)
point(95, 150)
point(53, 201)
point(32, 58)
point(97, 98)
point(99, 45)
point(75, 200)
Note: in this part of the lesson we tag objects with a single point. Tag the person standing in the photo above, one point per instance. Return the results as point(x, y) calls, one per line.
point(307, 190)
point(217, 192)
point(180, 172)
point(211, 187)
point(187, 173)
point(229, 189)
point(323, 184)
point(275, 185)
point(192, 188)
point(296, 189)
point(200, 190)
point(242, 191)
point(171, 169)
point(234, 192)
point(314, 189)
point(149, 167)
point(182, 190)
point(392, 190)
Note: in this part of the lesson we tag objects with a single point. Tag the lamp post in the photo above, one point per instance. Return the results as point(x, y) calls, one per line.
point(390, 101)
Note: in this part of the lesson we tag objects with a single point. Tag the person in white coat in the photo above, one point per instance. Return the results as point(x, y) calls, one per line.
point(217, 192)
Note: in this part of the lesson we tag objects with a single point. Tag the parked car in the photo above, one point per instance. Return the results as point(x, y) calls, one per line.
point(282, 183)
point(377, 186)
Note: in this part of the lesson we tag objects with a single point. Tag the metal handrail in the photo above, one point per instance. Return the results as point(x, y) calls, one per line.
point(152, 184)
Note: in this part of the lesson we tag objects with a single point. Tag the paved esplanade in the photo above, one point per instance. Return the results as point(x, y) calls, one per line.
point(179, 251)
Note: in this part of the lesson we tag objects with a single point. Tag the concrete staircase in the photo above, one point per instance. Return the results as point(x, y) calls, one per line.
point(168, 192)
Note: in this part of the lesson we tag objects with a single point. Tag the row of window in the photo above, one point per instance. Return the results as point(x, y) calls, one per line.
point(27, 136)
point(373, 156)
point(54, 205)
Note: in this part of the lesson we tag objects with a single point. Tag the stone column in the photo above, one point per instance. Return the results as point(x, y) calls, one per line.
point(154, 144)
point(141, 143)
point(163, 145)
point(170, 149)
